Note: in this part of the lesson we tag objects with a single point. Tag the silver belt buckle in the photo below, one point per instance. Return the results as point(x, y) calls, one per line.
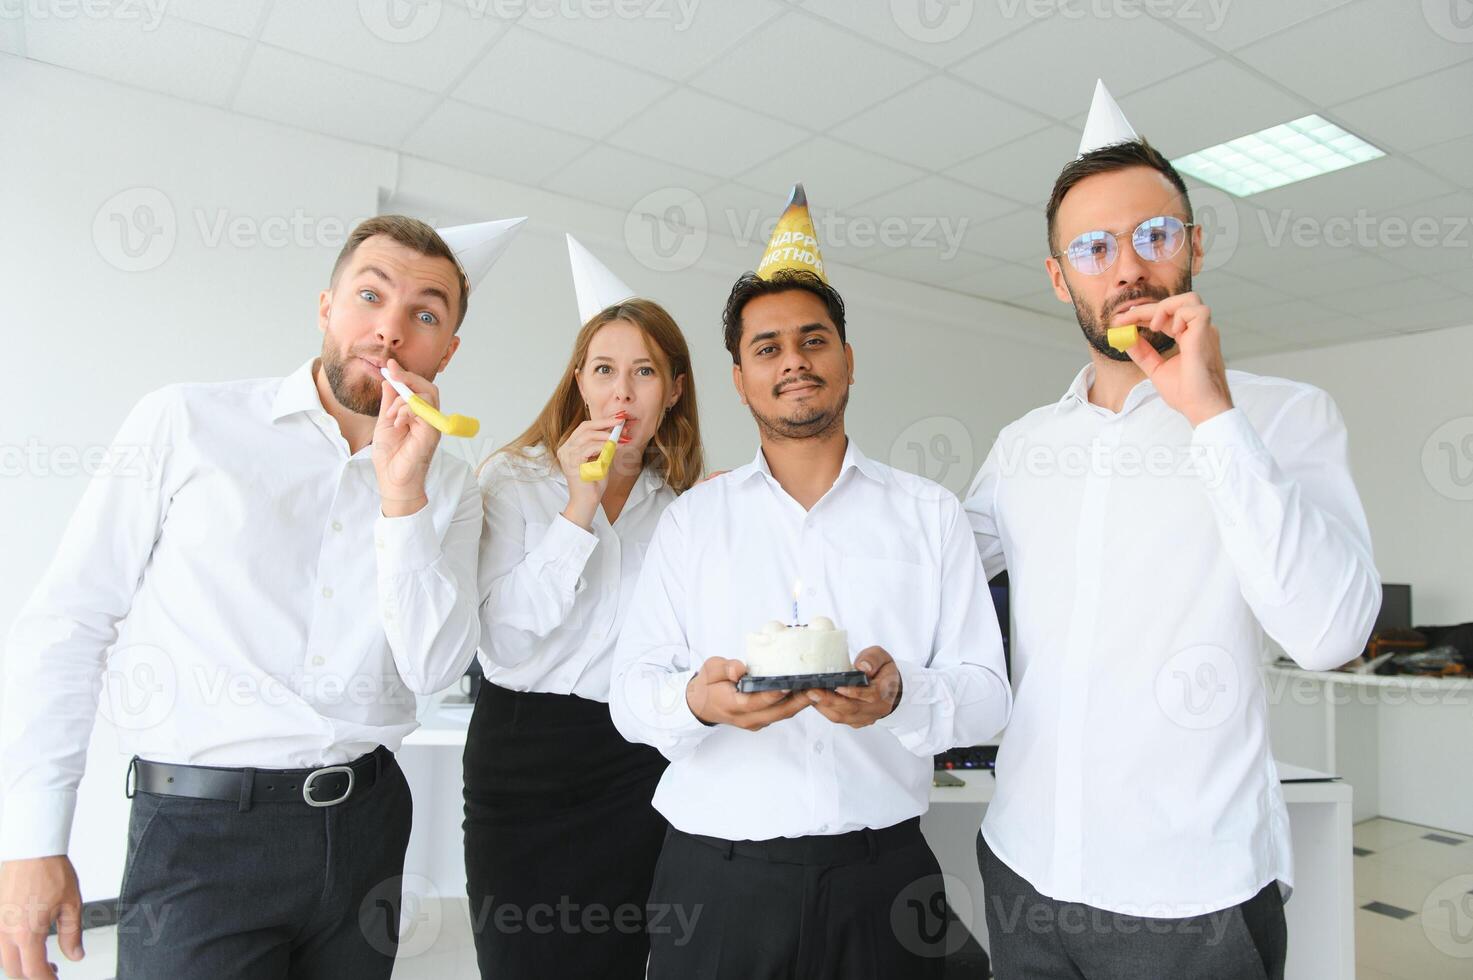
point(325, 770)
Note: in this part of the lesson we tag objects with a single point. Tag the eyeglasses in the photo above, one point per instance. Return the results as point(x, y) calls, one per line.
point(1155, 240)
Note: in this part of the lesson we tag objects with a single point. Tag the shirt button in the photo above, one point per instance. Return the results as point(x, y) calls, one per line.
point(326, 592)
point(318, 661)
point(337, 525)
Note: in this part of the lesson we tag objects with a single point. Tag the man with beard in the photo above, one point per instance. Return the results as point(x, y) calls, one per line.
point(1158, 523)
point(266, 605)
point(795, 847)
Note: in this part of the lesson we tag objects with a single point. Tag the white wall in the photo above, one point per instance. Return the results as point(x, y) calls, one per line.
point(1408, 404)
point(83, 338)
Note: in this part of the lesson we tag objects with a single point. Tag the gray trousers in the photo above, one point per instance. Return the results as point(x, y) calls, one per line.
point(1034, 937)
point(275, 891)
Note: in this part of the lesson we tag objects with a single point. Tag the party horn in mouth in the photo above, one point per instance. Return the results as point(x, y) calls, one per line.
point(452, 425)
point(596, 469)
point(1122, 338)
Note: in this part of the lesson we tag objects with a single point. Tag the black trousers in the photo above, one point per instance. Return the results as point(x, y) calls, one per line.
point(278, 890)
point(560, 837)
point(869, 904)
point(1034, 937)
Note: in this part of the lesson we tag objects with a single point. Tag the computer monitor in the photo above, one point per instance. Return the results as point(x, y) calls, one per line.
point(1396, 608)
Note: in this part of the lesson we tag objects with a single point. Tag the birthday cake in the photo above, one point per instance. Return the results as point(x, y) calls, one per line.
point(780, 650)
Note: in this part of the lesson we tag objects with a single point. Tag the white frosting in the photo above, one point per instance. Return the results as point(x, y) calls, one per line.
point(779, 650)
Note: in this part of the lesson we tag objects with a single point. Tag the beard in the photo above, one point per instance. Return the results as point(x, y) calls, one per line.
point(361, 397)
point(1095, 325)
point(807, 421)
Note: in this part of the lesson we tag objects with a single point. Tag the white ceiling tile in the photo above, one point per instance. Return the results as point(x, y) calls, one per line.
point(747, 214)
point(1025, 169)
point(1333, 330)
point(1282, 319)
point(1230, 296)
point(1405, 294)
point(933, 266)
point(1273, 264)
point(590, 96)
point(1351, 269)
point(938, 123)
point(1240, 342)
point(1004, 281)
point(1458, 279)
point(697, 131)
point(1414, 114)
point(291, 88)
point(618, 178)
point(237, 17)
point(839, 74)
point(1230, 24)
point(1428, 237)
point(914, 29)
point(491, 143)
point(1354, 49)
point(834, 173)
point(1019, 236)
point(1045, 302)
point(1373, 187)
point(1456, 312)
point(1175, 116)
point(937, 209)
point(1142, 52)
point(172, 56)
point(1449, 160)
point(674, 38)
point(429, 50)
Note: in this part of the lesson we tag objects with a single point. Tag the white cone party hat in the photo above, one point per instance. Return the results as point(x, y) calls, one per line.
point(595, 286)
point(478, 246)
point(1106, 123)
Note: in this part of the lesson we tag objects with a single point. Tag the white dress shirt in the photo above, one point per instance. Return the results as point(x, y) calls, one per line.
point(241, 599)
point(885, 554)
point(553, 594)
point(1146, 562)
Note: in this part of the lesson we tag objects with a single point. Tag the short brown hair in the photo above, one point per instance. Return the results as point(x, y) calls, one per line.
point(1107, 159)
point(750, 286)
point(411, 233)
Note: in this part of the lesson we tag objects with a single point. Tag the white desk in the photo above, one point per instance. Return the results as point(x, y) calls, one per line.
point(1320, 913)
point(1404, 743)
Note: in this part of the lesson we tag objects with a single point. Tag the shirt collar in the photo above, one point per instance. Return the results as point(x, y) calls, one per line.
point(298, 393)
point(1078, 392)
point(853, 459)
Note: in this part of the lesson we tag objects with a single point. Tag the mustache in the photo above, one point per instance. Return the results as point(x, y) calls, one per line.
point(1153, 293)
point(807, 379)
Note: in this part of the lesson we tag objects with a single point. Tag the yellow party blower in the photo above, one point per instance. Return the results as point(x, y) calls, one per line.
point(596, 469)
point(1122, 338)
point(452, 425)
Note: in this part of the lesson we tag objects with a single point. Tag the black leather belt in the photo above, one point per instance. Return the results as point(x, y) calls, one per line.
point(321, 787)
point(856, 845)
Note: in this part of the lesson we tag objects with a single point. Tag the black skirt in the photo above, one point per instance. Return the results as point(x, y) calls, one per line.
point(560, 837)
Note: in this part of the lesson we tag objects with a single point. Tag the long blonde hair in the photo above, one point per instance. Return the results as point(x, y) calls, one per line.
point(675, 449)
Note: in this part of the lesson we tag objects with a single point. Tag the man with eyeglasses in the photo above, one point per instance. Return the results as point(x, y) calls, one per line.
point(1158, 523)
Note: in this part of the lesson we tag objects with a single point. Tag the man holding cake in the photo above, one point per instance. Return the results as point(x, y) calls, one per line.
point(795, 846)
point(1135, 791)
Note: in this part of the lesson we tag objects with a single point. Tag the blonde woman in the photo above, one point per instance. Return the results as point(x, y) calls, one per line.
point(560, 837)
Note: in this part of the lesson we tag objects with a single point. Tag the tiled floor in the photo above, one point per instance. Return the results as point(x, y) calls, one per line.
point(1413, 902)
point(1413, 915)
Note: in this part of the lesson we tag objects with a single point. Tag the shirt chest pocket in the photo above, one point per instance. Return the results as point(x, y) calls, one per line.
point(888, 602)
point(584, 594)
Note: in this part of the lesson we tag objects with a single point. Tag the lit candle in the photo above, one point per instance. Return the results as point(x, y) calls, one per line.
point(797, 587)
